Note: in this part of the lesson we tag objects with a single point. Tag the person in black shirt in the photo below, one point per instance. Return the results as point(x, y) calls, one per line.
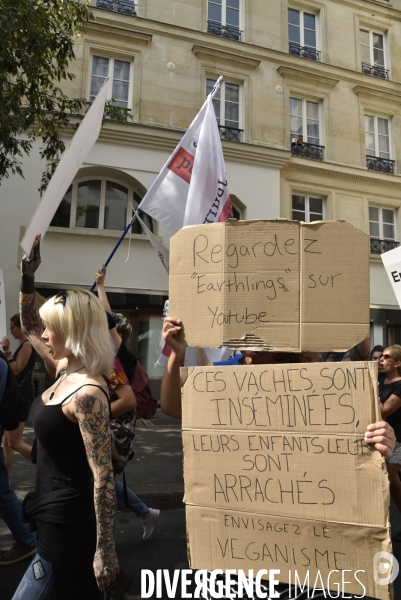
point(390, 406)
point(22, 363)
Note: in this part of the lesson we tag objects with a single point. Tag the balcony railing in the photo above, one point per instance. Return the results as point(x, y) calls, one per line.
point(126, 7)
point(227, 31)
point(312, 151)
point(380, 246)
point(304, 51)
point(382, 165)
point(232, 134)
point(123, 112)
point(374, 70)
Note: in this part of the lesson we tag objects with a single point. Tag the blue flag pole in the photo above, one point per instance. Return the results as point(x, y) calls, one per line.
point(124, 233)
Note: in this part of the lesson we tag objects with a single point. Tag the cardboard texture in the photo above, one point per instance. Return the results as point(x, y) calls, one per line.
point(271, 285)
point(277, 475)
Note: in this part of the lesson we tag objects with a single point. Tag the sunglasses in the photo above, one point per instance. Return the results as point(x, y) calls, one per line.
point(387, 356)
point(61, 298)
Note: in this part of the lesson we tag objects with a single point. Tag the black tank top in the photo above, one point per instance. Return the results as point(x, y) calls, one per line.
point(24, 378)
point(63, 474)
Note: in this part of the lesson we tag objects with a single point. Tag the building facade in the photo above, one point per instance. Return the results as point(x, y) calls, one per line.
point(309, 116)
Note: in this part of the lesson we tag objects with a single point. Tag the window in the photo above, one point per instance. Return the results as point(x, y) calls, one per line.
point(304, 120)
point(119, 72)
point(99, 204)
point(377, 136)
point(226, 104)
point(377, 141)
point(382, 229)
point(305, 128)
point(223, 18)
point(307, 208)
point(373, 53)
point(381, 223)
point(302, 34)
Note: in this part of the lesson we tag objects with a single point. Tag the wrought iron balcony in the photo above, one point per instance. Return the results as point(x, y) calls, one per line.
point(382, 165)
point(227, 31)
point(123, 112)
point(380, 246)
point(374, 70)
point(304, 51)
point(126, 7)
point(232, 134)
point(305, 150)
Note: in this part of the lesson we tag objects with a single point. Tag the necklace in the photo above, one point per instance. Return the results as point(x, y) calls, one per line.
point(63, 379)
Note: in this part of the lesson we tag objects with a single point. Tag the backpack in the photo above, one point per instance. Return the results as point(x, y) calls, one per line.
point(10, 403)
point(146, 402)
point(122, 433)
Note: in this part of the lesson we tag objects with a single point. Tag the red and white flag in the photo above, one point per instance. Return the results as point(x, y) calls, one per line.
point(192, 186)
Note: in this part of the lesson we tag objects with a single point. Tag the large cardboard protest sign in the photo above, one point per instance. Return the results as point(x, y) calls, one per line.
point(277, 475)
point(271, 285)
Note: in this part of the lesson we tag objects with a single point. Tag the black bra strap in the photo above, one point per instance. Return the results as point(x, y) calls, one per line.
point(85, 384)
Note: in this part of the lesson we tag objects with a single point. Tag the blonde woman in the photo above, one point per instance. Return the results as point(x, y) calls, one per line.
point(73, 502)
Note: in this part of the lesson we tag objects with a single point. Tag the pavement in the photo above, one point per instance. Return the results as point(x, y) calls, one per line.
point(155, 475)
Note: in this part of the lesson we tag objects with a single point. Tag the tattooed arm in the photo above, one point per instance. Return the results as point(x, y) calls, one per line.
point(31, 322)
point(92, 414)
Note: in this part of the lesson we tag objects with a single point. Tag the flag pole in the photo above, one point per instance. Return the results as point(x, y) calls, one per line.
point(124, 233)
point(217, 85)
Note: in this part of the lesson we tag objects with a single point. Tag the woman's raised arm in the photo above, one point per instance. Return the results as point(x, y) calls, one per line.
point(31, 322)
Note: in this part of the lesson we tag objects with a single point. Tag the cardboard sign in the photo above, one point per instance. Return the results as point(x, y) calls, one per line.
point(392, 264)
point(3, 322)
point(71, 161)
point(277, 475)
point(271, 285)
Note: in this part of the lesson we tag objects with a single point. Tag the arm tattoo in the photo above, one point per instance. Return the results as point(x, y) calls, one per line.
point(31, 321)
point(93, 419)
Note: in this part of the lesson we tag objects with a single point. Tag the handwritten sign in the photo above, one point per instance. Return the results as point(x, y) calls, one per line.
point(271, 285)
point(392, 264)
point(3, 322)
point(277, 475)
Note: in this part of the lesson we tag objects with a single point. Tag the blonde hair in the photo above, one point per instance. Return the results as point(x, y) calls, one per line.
point(78, 318)
point(395, 352)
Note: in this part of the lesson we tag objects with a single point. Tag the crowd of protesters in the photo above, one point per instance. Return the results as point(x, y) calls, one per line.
point(72, 507)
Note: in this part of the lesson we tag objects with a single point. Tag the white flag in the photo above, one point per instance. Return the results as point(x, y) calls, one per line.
point(162, 251)
point(71, 161)
point(192, 186)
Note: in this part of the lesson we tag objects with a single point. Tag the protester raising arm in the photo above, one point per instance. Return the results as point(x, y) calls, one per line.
point(31, 321)
point(100, 278)
point(170, 392)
